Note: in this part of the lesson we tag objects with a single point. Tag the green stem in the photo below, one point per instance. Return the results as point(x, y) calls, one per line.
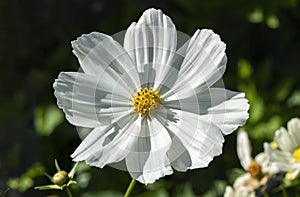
point(69, 192)
point(266, 194)
point(4, 192)
point(284, 193)
point(130, 188)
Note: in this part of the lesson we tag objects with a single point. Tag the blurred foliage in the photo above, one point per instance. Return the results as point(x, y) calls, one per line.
point(263, 44)
point(47, 118)
point(26, 180)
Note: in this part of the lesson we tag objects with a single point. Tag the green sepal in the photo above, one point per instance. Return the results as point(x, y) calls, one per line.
point(47, 187)
point(48, 176)
point(73, 171)
point(56, 165)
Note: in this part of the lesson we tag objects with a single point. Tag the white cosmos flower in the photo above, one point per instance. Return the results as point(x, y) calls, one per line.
point(240, 192)
point(258, 170)
point(150, 104)
point(258, 166)
point(287, 156)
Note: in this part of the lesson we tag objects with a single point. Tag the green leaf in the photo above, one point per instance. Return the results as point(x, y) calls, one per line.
point(103, 194)
point(152, 193)
point(284, 89)
point(47, 118)
point(25, 181)
point(234, 173)
point(244, 69)
point(294, 99)
point(216, 190)
point(83, 179)
point(256, 16)
point(157, 185)
point(266, 129)
point(185, 190)
point(273, 22)
point(20, 184)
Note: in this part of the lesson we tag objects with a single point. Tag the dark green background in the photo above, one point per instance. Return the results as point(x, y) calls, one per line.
point(263, 49)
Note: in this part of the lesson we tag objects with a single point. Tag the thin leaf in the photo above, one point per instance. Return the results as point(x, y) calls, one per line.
point(48, 176)
point(57, 166)
point(73, 171)
point(47, 187)
point(70, 183)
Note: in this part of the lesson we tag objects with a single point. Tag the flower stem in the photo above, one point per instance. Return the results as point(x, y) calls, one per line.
point(284, 193)
point(266, 195)
point(130, 188)
point(4, 192)
point(69, 192)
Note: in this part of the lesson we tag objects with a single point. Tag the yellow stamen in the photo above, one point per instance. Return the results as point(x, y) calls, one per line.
point(290, 175)
point(145, 100)
point(296, 154)
point(273, 145)
point(254, 169)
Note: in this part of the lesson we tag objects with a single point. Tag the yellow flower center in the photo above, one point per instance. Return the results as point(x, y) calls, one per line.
point(254, 169)
point(273, 145)
point(296, 154)
point(145, 100)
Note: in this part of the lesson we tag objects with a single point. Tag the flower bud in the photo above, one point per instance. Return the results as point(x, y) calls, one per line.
point(60, 177)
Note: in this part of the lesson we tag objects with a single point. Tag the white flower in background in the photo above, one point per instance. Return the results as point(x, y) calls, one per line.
point(239, 192)
point(258, 170)
point(150, 104)
point(287, 156)
point(256, 167)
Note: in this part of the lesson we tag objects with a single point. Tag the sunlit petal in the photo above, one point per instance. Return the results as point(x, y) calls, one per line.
point(109, 144)
point(151, 43)
point(244, 149)
point(204, 64)
point(148, 159)
point(284, 140)
point(89, 101)
point(100, 54)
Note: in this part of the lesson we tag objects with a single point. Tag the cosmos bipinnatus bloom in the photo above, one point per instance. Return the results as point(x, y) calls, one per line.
point(149, 101)
point(286, 156)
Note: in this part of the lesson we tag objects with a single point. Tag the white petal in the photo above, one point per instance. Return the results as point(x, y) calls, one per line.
point(295, 173)
point(260, 158)
point(284, 140)
point(148, 161)
point(227, 109)
point(229, 192)
point(98, 53)
point(151, 43)
point(242, 180)
point(267, 167)
point(245, 185)
point(109, 144)
point(244, 149)
point(245, 192)
point(235, 114)
point(204, 63)
point(89, 101)
point(195, 141)
point(294, 129)
point(283, 160)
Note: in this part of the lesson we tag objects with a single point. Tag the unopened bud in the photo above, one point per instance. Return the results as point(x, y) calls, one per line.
point(60, 177)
